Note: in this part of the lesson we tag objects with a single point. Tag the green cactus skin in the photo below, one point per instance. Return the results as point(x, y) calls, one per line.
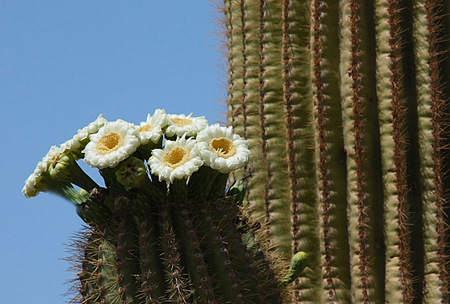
point(177, 247)
point(345, 104)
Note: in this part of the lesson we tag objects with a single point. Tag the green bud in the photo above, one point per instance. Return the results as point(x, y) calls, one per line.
point(63, 167)
point(60, 166)
point(238, 190)
point(298, 263)
point(131, 172)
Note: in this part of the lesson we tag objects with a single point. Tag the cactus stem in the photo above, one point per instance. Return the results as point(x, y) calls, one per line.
point(218, 189)
point(200, 183)
point(236, 68)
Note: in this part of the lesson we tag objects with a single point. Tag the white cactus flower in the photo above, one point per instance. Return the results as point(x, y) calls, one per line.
point(180, 125)
point(221, 149)
point(178, 160)
point(79, 140)
point(113, 143)
point(93, 127)
point(31, 187)
point(151, 129)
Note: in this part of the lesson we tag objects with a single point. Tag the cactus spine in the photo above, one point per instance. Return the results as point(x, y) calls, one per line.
point(347, 134)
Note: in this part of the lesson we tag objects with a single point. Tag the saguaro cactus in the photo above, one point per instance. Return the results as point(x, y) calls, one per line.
point(175, 234)
point(345, 105)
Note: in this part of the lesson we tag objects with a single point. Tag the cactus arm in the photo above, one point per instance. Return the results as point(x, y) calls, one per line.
point(297, 95)
point(430, 104)
point(391, 116)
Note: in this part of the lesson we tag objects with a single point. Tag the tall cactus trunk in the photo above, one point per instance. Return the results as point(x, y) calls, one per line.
point(345, 106)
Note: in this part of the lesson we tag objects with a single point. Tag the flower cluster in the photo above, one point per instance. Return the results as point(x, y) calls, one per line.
point(172, 146)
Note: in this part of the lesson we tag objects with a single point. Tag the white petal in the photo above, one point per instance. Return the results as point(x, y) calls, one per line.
point(129, 134)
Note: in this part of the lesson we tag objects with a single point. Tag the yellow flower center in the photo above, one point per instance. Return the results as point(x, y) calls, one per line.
point(145, 128)
point(181, 122)
point(175, 157)
point(109, 142)
point(223, 147)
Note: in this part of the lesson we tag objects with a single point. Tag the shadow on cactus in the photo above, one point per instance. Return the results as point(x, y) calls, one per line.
point(165, 228)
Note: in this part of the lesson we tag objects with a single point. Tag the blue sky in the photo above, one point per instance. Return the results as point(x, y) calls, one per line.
point(62, 63)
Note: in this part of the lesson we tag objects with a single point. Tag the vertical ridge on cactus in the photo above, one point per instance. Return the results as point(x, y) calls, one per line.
point(354, 125)
point(271, 118)
point(392, 138)
point(362, 101)
point(329, 151)
point(299, 145)
point(430, 109)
